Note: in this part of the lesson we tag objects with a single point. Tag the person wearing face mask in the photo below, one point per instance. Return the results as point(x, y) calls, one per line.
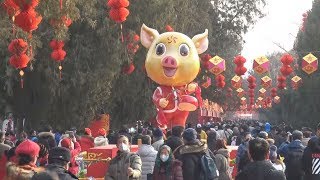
point(166, 167)
point(126, 165)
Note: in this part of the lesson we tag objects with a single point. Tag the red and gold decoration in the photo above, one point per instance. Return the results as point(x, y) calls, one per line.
point(239, 62)
point(19, 59)
point(216, 65)
point(58, 53)
point(207, 82)
point(205, 60)
point(262, 92)
point(240, 92)
point(281, 82)
point(266, 82)
point(119, 12)
point(296, 82)
point(252, 82)
point(309, 63)
point(261, 65)
point(286, 61)
point(243, 100)
point(220, 81)
point(229, 92)
point(236, 82)
point(276, 99)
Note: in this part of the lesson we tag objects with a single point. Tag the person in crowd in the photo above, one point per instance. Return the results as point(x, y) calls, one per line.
point(126, 165)
point(75, 150)
point(27, 153)
point(242, 158)
point(47, 138)
point(33, 135)
point(8, 140)
point(222, 157)
point(190, 154)
point(3, 147)
point(58, 136)
point(311, 158)
point(23, 136)
point(277, 163)
point(202, 134)
point(137, 136)
point(166, 167)
point(244, 129)
point(102, 139)
point(263, 135)
point(293, 153)
point(46, 175)
point(175, 140)
point(43, 155)
point(260, 168)
point(306, 137)
point(148, 156)
point(112, 137)
point(212, 139)
point(59, 161)
point(157, 139)
point(86, 141)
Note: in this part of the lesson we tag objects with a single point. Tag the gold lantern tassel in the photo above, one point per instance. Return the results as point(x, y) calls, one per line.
point(13, 26)
point(60, 73)
point(21, 78)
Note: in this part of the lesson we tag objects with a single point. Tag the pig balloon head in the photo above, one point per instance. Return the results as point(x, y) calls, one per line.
point(172, 59)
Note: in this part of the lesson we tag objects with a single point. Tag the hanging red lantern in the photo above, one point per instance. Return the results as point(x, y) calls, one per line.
point(220, 81)
point(28, 20)
point(128, 69)
point(287, 59)
point(169, 28)
point(119, 15)
point(58, 53)
point(286, 70)
point(19, 61)
point(240, 69)
point(273, 92)
point(18, 46)
point(136, 38)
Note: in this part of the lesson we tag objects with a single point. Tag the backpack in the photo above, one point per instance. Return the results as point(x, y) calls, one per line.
point(209, 169)
point(293, 162)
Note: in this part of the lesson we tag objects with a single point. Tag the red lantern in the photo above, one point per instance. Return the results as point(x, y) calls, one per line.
point(286, 59)
point(19, 61)
point(18, 46)
point(240, 69)
point(58, 55)
point(119, 15)
point(136, 38)
point(128, 69)
point(28, 20)
point(170, 29)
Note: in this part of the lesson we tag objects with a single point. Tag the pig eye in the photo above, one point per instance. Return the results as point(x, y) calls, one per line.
point(160, 49)
point(184, 50)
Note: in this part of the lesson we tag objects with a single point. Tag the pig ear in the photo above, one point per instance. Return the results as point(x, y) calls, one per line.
point(201, 42)
point(147, 35)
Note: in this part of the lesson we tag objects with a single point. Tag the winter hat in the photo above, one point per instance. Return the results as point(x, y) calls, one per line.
point(273, 153)
point(87, 131)
point(66, 142)
point(59, 153)
point(165, 147)
point(199, 126)
point(102, 132)
point(189, 134)
point(28, 147)
point(157, 133)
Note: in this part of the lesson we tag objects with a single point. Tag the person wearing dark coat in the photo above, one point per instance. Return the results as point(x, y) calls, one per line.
point(212, 140)
point(260, 168)
point(58, 162)
point(190, 154)
point(311, 158)
point(47, 138)
point(166, 167)
point(175, 140)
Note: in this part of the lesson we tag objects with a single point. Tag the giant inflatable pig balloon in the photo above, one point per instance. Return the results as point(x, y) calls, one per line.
point(173, 62)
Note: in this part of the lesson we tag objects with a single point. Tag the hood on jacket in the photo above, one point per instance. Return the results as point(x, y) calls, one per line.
point(223, 152)
point(314, 144)
point(296, 144)
point(193, 148)
point(21, 172)
point(46, 134)
point(100, 141)
point(145, 150)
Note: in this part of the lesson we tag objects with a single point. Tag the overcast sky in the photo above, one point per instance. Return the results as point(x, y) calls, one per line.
point(280, 25)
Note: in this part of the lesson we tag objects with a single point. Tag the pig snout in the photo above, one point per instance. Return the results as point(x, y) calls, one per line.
point(169, 62)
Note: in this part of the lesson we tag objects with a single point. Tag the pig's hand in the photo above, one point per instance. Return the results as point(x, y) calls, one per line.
point(163, 102)
point(192, 87)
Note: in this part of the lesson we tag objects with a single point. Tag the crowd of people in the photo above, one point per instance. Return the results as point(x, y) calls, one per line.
point(190, 153)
